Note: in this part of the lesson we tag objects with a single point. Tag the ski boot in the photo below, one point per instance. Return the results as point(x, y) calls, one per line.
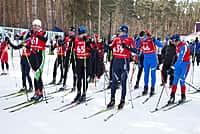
point(111, 104)
point(30, 89)
point(136, 86)
point(37, 96)
point(52, 82)
point(77, 98)
point(83, 98)
point(73, 89)
point(62, 88)
point(60, 82)
point(183, 98)
point(152, 91)
point(24, 89)
point(172, 99)
point(145, 90)
point(121, 104)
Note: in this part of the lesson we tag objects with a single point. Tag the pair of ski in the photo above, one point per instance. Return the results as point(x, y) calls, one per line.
point(104, 110)
point(168, 107)
point(99, 91)
point(3, 74)
point(140, 96)
point(25, 104)
point(13, 95)
point(71, 105)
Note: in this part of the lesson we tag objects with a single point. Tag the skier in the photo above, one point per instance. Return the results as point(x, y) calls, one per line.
point(4, 55)
point(100, 63)
point(168, 53)
point(24, 62)
point(140, 63)
point(93, 59)
point(70, 58)
point(59, 60)
point(181, 68)
point(110, 58)
point(197, 43)
point(37, 44)
point(158, 52)
point(148, 47)
point(82, 50)
point(121, 57)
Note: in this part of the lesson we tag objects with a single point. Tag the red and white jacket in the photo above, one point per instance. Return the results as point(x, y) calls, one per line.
point(36, 43)
point(147, 47)
point(120, 52)
point(81, 49)
point(186, 51)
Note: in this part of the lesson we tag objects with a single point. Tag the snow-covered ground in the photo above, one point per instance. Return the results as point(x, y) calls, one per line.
point(42, 119)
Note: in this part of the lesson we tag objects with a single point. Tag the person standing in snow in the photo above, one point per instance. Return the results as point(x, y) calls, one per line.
point(181, 68)
point(140, 63)
point(82, 50)
point(168, 53)
point(70, 58)
point(121, 60)
point(24, 62)
point(59, 60)
point(4, 55)
point(197, 53)
point(148, 48)
point(37, 44)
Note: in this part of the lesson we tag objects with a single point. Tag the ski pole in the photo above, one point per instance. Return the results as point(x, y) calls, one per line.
point(45, 96)
point(162, 77)
point(160, 97)
point(104, 86)
point(189, 84)
point(85, 77)
point(129, 85)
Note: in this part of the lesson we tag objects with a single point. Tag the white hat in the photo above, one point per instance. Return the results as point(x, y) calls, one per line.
point(37, 22)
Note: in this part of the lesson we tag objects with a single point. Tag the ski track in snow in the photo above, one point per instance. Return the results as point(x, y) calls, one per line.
point(41, 118)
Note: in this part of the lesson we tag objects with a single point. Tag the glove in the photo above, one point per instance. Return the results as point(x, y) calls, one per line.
point(124, 45)
point(84, 38)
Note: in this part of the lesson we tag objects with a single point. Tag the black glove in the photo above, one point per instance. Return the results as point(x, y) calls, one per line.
point(88, 44)
point(61, 43)
point(7, 39)
point(124, 46)
point(84, 38)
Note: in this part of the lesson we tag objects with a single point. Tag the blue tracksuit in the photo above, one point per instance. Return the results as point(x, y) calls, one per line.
point(150, 62)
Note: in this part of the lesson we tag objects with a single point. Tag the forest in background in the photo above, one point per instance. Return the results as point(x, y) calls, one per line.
point(161, 17)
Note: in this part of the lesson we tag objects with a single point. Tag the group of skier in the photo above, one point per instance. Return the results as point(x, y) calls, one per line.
point(86, 54)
